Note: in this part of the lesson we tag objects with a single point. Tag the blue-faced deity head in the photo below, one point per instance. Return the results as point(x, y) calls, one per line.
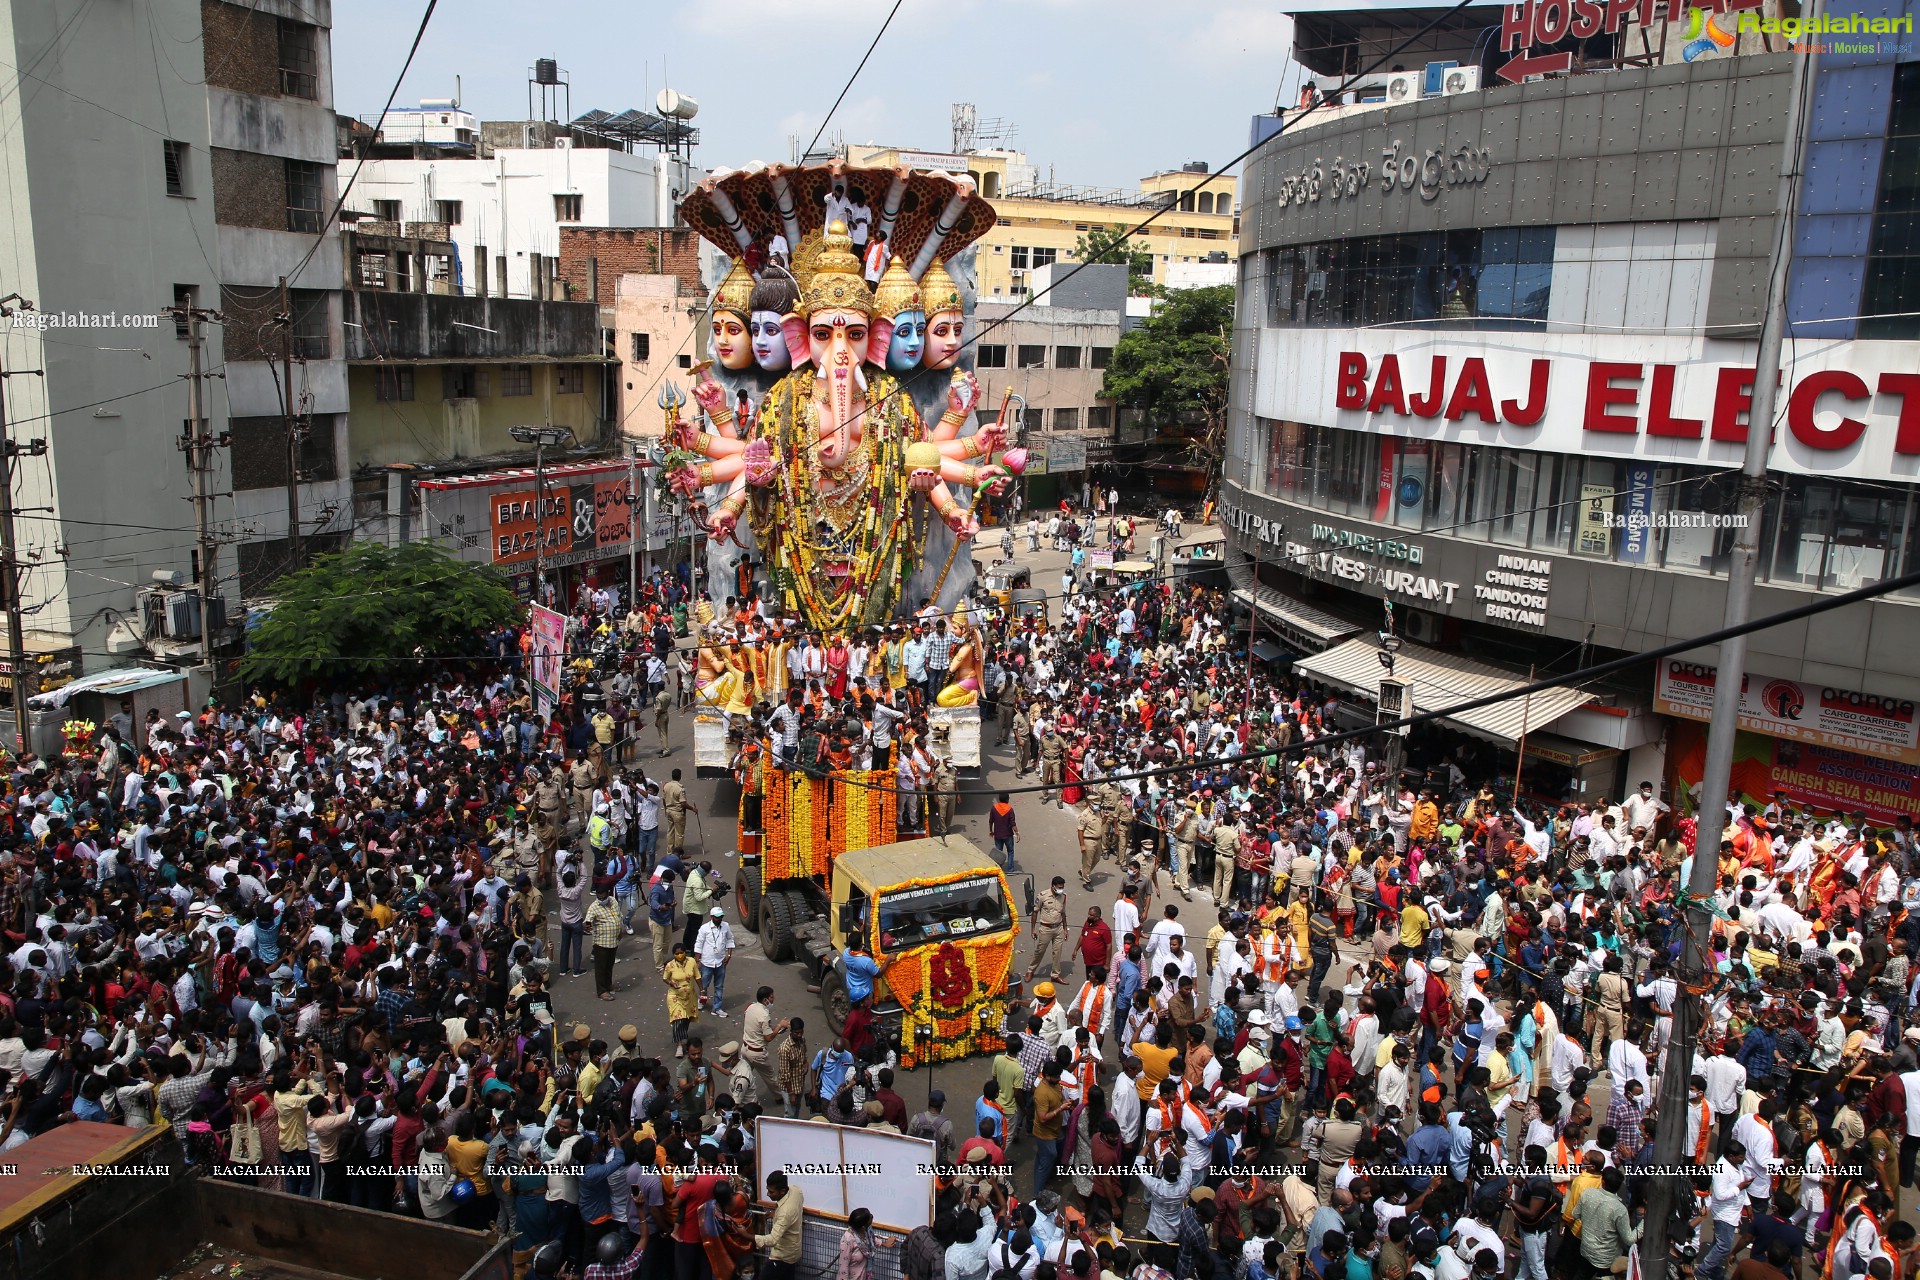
point(909, 341)
point(772, 299)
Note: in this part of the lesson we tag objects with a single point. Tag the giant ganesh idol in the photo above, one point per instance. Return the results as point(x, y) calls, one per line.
point(847, 477)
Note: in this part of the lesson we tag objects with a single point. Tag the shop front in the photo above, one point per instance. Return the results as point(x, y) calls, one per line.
point(597, 526)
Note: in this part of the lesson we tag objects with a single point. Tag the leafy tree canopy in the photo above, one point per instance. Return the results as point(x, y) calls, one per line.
point(373, 604)
point(1175, 363)
point(1104, 244)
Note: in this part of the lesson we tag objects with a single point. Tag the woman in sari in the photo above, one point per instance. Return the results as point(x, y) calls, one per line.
point(725, 1236)
point(837, 659)
point(1076, 755)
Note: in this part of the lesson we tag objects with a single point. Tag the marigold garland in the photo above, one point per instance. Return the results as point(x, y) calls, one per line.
point(937, 1001)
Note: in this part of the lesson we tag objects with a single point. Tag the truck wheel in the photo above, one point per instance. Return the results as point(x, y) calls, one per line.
point(747, 897)
point(776, 927)
point(833, 996)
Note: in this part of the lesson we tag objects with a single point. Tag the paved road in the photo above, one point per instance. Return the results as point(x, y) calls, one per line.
point(1048, 847)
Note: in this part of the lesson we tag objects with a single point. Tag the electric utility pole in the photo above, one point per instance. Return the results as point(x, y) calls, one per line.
point(199, 446)
point(10, 562)
point(289, 417)
point(1716, 778)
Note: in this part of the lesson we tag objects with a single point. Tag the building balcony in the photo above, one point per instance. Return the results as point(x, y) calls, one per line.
point(383, 326)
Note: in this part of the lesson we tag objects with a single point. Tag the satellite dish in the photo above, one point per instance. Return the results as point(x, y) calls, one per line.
point(675, 105)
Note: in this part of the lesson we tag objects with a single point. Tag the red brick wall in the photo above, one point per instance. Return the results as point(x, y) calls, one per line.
point(621, 251)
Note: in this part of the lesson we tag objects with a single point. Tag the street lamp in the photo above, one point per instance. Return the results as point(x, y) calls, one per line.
point(540, 438)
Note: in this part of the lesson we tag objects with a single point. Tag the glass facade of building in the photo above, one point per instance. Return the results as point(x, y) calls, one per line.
point(1825, 534)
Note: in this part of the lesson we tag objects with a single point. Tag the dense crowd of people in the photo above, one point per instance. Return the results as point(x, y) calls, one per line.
point(1331, 1022)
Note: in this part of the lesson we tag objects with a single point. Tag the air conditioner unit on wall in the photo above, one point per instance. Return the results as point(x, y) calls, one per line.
point(170, 615)
point(1403, 86)
point(1421, 628)
point(1460, 80)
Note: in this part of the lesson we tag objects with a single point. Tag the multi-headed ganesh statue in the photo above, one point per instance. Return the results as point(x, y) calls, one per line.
point(828, 442)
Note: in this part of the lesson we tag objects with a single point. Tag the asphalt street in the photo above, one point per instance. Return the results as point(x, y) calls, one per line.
point(1047, 847)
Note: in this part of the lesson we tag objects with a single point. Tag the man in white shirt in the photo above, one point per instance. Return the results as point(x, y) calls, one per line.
point(713, 945)
point(1626, 1061)
point(1724, 1203)
point(1755, 1133)
point(1726, 1079)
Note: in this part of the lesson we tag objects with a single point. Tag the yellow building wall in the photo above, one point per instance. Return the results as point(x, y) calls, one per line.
point(1179, 235)
point(432, 428)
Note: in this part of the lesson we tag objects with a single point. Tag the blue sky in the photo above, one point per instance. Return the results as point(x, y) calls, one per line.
point(1103, 91)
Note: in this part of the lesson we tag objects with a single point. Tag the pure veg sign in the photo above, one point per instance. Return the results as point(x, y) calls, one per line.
point(1534, 23)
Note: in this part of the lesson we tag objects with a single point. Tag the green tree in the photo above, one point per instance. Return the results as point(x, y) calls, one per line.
point(1105, 244)
point(1176, 363)
point(371, 605)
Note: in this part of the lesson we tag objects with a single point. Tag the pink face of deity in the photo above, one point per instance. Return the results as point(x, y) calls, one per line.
point(944, 333)
point(837, 343)
point(732, 347)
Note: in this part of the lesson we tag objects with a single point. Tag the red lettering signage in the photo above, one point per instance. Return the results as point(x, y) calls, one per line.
point(1624, 398)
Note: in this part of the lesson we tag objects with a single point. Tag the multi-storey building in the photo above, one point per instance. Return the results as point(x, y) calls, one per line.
point(1040, 222)
point(1492, 371)
point(146, 172)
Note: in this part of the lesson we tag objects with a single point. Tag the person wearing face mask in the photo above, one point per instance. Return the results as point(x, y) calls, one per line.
point(1050, 932)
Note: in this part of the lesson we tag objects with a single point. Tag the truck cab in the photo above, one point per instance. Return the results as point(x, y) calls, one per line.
point(928, 911)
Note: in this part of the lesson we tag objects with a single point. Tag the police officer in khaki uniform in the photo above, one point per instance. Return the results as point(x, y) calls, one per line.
point(1053, 754)
point(1050, 931)
point(1226, 848)
point(673, 803)
point(946, 787)
point(1092, 825)
point(1022, 741)
point(581, 780)
point(550, 800)
point(662, 704)
point(1119, 814)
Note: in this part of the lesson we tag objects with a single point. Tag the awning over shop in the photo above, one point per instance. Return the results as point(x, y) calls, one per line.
point(1442, 680)
point(1267, 651)
point(1310, 628)
point(115, 683)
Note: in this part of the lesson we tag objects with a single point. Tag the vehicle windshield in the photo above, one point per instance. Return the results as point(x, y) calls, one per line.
point(964, 909)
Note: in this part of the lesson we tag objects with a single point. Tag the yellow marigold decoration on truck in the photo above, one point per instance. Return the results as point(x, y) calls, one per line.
point(949, 986)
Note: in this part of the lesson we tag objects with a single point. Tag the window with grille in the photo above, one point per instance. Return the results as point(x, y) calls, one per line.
point(516, 380)
point(642, 347)
point(1020, 257)
point(1100, 357)
point(1045, 257)
point(1100, 418)
point(1033, 357)
point(458, 382)
point(686, 361)
point(306, 195)
point(447, 211)
point(990, 355)
point(393, 383)
point(567, 208)
point(183, 298)
point(1066, 419)
point(175, 155)
point(569, 379)
point(310, 329)
point(386, 210)
point(1066, 357)
point(299, 59)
